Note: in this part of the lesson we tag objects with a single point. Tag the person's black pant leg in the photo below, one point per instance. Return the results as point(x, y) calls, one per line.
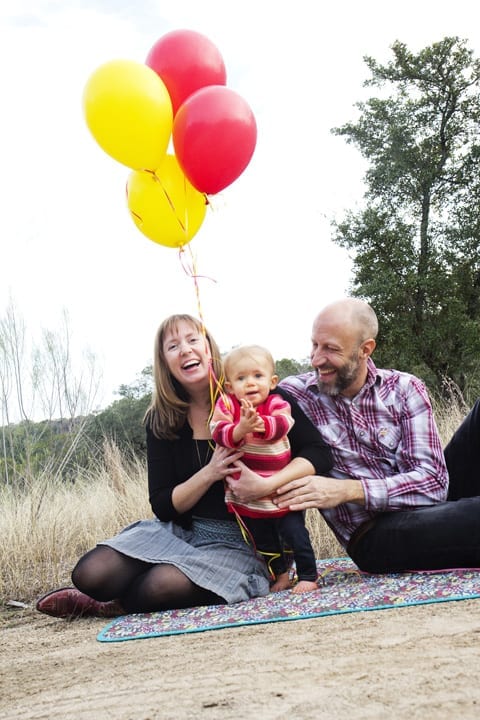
point(436, 537)
point(462, 455)
point(293, 530)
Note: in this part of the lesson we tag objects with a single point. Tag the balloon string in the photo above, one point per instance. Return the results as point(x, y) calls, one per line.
point(183, 225)
point(190, 268)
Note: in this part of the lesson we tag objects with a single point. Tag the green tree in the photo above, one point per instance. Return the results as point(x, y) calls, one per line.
point(122, 422)
point(143, 385)
point(287, 366)
point(415, 243)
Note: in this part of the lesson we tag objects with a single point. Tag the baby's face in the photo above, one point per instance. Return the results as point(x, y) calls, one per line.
point(250, 378)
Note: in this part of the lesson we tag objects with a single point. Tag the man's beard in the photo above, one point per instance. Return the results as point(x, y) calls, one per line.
point(346, 374)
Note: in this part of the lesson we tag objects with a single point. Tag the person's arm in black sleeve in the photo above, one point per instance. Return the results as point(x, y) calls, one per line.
point(305, 440)
point(161, 477)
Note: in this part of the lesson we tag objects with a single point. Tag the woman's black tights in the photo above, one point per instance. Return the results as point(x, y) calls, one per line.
point(106, 574)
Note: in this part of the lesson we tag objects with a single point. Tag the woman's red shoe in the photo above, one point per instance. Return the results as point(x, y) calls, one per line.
point(71, 603)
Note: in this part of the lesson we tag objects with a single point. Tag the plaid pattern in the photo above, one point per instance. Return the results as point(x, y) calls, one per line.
point(385, 437)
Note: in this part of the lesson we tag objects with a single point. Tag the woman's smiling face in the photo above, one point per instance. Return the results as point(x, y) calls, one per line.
point(187, 354)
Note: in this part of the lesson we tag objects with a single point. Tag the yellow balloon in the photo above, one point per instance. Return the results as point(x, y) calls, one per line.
point(164, 205)
point(129, 113)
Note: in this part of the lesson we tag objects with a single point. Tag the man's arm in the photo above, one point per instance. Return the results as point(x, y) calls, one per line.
point(320, 492)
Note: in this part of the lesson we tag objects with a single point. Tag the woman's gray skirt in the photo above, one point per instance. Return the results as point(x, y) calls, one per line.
point(212, 554)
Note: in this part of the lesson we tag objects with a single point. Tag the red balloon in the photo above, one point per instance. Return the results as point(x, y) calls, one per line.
point(214, 135)
point(186, 61)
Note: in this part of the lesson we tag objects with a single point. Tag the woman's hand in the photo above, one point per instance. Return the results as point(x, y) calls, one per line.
point(221, 462)
point(185, 495)
point(316, 491)
point(248, 486)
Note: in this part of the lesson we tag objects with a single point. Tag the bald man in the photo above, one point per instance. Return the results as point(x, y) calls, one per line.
point(388, 498)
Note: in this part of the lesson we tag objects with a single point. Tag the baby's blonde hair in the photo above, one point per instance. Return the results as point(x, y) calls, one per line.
point(252, 350)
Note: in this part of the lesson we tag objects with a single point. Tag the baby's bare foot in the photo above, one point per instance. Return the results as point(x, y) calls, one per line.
point(282, 582)
point(304, 586)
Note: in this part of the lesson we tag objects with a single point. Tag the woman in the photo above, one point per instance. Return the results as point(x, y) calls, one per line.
point(192, 552)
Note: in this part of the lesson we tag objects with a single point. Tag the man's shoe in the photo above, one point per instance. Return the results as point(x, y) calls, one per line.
point(71, 603)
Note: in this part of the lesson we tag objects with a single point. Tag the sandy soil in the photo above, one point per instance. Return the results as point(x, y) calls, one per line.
point(417, 662)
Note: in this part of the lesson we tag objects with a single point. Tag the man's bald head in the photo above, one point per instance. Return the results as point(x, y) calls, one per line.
point(343, 339)
point(353, 313)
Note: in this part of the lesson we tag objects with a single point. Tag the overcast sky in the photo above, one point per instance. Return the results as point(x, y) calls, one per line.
point(264, 248)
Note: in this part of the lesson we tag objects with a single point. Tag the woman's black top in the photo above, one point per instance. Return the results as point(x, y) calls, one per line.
point(171, 462)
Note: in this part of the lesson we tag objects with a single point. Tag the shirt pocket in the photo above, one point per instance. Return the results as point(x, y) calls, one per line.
point(388, 438)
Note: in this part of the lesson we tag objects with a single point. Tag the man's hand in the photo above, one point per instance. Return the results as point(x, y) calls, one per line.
point(316, 491)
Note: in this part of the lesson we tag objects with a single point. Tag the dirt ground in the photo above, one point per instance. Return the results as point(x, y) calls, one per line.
point(416, 662)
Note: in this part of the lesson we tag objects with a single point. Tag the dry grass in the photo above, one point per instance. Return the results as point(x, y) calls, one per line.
point(450, 412)
point(48, 526)
point(45, 528)
point(324, 542)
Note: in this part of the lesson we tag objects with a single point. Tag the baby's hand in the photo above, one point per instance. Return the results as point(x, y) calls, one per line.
point(259, 425)
point(247, 407)
point(249, 419)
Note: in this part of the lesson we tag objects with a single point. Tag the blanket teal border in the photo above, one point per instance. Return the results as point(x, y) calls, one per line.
point(342, 589)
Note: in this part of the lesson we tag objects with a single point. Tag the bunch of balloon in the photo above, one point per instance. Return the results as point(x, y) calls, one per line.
point(214, 130)
point(179, 95)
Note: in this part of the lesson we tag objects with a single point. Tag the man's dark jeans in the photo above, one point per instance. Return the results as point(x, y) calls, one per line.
point(434, 537)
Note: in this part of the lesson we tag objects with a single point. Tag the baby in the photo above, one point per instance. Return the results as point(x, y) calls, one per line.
point(254, 418)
